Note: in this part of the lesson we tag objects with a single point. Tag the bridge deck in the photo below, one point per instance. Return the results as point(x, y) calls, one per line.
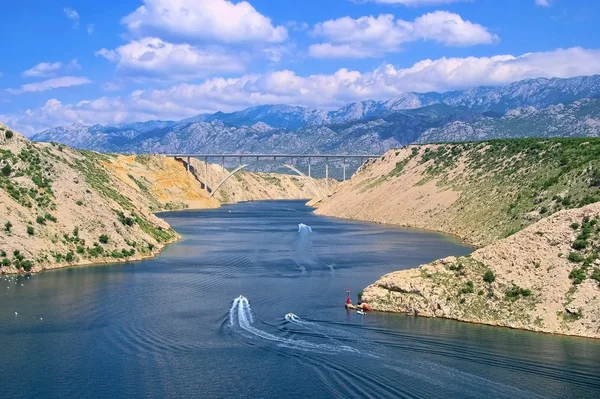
point(272, 155)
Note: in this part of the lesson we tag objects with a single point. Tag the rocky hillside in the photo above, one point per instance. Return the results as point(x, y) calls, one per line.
point(60, 206)
point(479, 191)
point(532, 203)
point(544, 278)
point(579, 119)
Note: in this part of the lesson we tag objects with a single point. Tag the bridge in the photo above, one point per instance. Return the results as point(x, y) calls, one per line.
point(287, 161)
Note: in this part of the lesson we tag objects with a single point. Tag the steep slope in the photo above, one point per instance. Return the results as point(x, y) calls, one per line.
point(579, 119)
point(60, 206)
point(544, 278)
point(479, 191)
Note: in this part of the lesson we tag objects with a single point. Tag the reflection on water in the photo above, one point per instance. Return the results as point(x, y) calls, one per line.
point(250, 304)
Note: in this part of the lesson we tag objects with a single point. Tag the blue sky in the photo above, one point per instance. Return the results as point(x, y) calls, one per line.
point(79, 61)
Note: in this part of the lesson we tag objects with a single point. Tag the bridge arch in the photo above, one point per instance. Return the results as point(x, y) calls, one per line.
point(290, 167)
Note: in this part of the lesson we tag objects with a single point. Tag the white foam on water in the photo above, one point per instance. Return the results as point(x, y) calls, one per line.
point(240, 317)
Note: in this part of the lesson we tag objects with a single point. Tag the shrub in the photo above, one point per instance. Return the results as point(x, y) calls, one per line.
point(40, 220)
point(578, 275)
point(574, 225)
point(116, 254)
point(596, 274)
point(2, 253)
point(80, 249)
point(6, 262)
point(70, 257)
point(79, 202)
point(6, 170)
point(8, 134)
point(8, 226)
point(480, 292)
point(543, 210)
point(468, 288)
point(579, 244)
point(150, 246)
point(489, 276)
point(103, 239)
point(30, 230)
point(575, 257)
point(76, 232)
point(515, 292)
point(26, 265)
point(50, 217)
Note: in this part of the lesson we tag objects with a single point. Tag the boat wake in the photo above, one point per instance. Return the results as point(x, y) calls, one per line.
point(242, 320)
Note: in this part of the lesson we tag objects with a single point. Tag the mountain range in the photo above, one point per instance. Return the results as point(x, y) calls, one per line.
point(534, 107)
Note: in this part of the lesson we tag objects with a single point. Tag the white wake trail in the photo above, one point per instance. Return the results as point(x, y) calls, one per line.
point(240, 317)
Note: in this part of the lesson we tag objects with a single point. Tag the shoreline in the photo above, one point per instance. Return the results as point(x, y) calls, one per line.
point(480, 323)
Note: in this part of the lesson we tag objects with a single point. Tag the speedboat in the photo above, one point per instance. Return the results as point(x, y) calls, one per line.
point(290, 316)
point(360, 311)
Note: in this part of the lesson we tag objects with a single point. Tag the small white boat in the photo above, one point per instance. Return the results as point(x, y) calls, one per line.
point(290, 316)
point(360, 311)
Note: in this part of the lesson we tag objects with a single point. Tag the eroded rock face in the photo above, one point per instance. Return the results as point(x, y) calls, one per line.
point(532, 286)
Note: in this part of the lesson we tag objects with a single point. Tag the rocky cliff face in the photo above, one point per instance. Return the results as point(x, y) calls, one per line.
point(539, 279)
point(60, 206)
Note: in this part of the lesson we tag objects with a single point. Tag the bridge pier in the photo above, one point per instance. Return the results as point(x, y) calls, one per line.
point(206, 173)
point(326, 176)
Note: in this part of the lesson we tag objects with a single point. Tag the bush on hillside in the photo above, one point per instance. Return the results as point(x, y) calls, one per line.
point(103, 239)
point(489, 276)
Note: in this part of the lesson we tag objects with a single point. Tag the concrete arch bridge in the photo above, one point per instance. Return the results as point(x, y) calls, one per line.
point(286, 160)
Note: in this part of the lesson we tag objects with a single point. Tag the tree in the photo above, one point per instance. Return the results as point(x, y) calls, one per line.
point(9, 134)
point(8, 226)
point(6, 170)
point(30, 230)
point(489, 276)
point(103, 239)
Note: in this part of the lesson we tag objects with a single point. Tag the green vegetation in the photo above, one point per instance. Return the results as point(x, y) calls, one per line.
point(8, 226)
point(30, 230)
point(586, 247)
point(515, 292)
point(468, 288)
point(489, 276)
point(8, 134)
point(103, 239)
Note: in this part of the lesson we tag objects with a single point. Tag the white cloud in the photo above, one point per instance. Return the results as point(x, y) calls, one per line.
point(44, 69)
point(72, 15)
point(372, 36)
point(327, 91)
point(91, 28)
point(217, 20)
point(55, 83)
point(542, 3)
point(156, 58)
point(414, 3)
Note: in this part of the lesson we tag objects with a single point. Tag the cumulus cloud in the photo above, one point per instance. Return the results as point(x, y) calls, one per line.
point(154, 57)
point(372, 36)
point(414, 3)
point(55, 83)
point(323, 90)
point(45, 69)
point(217, 20)
point(72, 15)
point(542, 3)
